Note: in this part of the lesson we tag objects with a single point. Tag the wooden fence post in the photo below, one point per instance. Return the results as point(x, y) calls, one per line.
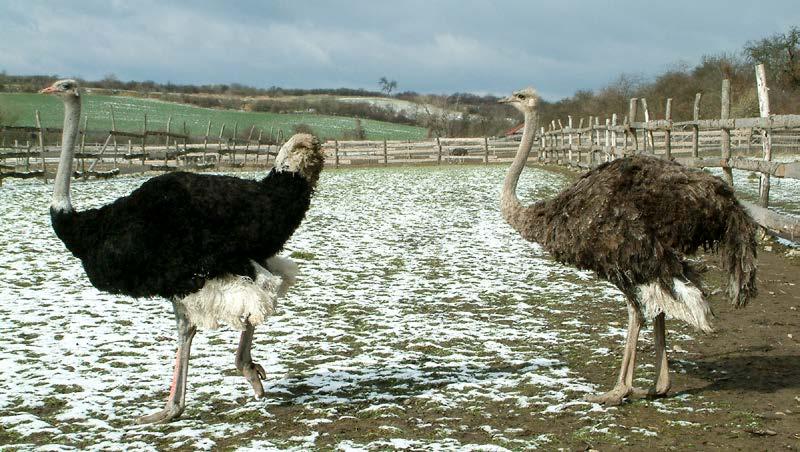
point(695, 127)
point(607, 147)
point(385, 153)
point(83, 135)
point(485, 150)
point(41, 146)
point(542, 144)
point(233, 143)
point(258, 145)
point(668, 132)
point(221, 131)
point(763, 108)
point(205, 141)
point(166, 143)
point(613, 136)
point(114, 129)
point(144, 140)
point(632, 106)
point(645, 143)
point(439, 154)
point(597, 127)
point(725, 133)
point(569, 138)
point(247, 145)
point(336, 152)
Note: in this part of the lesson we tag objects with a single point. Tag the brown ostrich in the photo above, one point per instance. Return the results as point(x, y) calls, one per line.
point(634, 221)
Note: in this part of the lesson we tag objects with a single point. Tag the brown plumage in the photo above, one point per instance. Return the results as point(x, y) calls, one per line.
point(634, 221)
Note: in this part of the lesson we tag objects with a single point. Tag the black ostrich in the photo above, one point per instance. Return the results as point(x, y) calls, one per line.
point(207, 243)
point(633, 221)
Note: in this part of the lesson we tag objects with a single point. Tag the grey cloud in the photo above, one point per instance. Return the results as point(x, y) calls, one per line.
point(427, 46)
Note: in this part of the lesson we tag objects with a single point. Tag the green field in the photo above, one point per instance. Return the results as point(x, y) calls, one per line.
point(129, 113)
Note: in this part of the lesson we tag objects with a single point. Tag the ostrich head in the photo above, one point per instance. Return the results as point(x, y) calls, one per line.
point(524, 100)
point(301, 154)
point(63, 88)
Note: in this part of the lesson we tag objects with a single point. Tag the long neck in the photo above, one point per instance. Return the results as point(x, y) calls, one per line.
point(72, 117)
point(511, 208)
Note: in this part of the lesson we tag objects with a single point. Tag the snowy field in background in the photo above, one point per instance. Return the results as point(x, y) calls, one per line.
point(416, 311)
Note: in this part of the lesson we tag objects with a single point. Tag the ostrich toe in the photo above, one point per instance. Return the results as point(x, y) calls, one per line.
point(613, 397)
point(253, 374)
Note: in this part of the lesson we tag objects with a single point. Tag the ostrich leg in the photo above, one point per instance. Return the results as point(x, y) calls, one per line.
point(244, 362)
point(177, 391)
point(661, 384)
point(624, 386)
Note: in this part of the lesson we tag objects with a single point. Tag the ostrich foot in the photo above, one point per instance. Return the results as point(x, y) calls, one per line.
point(654, 392)
point(159, 417)
point(254, 373)
point(613, 397)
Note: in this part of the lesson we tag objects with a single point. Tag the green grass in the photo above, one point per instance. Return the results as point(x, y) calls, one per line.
point(129, 114)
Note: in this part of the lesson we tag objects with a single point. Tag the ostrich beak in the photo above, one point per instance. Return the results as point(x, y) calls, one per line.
point(506, 100)
point(49, 90)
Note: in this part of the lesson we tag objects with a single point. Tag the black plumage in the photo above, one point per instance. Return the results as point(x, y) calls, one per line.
point(177, 230)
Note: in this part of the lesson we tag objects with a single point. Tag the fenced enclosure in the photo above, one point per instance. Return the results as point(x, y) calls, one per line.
point(699, 143)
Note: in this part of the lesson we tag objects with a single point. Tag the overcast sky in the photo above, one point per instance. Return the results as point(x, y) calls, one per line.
point(427, 46)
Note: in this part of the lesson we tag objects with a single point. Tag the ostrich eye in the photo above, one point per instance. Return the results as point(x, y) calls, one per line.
point(520, 96)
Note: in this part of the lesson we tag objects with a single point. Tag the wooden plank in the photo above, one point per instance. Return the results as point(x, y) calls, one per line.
point(119, 133)
point(781, 225)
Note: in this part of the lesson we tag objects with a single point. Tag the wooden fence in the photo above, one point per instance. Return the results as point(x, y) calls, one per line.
point(699, 143)
point(431, 152)
point(148, 149)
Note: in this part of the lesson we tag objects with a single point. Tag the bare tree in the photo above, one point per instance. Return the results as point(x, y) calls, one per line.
point(386, 85)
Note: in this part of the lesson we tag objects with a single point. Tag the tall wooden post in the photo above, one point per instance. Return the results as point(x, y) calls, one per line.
point(144, 140)
point(668, 132)
point(597, 127)
point(763, 108)
point(247, 145)
point(166, 143)
point(221, 131)
point(542, 144)
point(725, 137)
point(114, 129)
point(205, 140)
point(235, 132)
point(695, 127)
point(439, 152)
point(485, 150)
point(336, 153)
point(632, 106)
point(385, 153)
point(569, 138)
point(613, 136)
point(645, 141)
point(258, 145)
point(41, 145)
point(607, 146)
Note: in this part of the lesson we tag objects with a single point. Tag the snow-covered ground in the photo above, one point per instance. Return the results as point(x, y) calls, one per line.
point(414, 297)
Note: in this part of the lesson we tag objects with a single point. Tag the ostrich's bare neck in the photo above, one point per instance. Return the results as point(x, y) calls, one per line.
point(72, 117)
point(520, 218)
